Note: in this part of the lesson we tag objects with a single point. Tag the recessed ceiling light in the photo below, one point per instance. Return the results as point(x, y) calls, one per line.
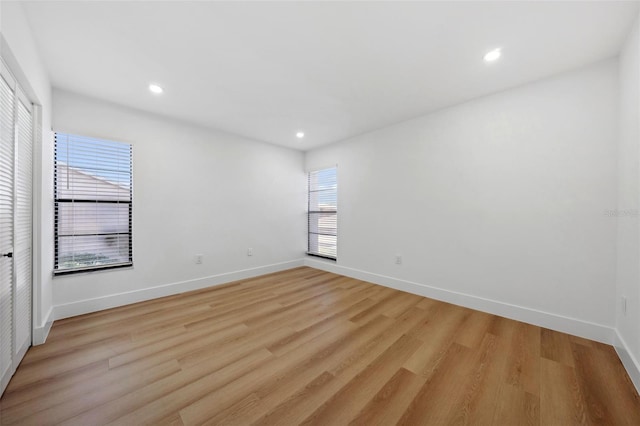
point(155, 88)
point(300, 135)
point(492, 55)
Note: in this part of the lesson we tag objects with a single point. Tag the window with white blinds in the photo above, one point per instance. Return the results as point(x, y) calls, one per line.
point(93, 204)
point(323, 213)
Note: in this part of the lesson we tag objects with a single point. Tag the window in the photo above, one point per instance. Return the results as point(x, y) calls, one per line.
point(323, 213)
point(93, 204)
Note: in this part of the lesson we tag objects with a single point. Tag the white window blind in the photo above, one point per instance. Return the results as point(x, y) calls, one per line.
point(93, 204)
point(323, 213)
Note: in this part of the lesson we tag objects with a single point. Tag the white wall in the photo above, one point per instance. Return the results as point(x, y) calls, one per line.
point(628, 277)
point(501, 199)
point(196, 191)
point(20, 51)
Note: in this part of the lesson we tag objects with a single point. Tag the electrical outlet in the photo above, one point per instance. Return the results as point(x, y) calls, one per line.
point(624, 305)
point(398, 259)
point(249, 251)
point(198, 259)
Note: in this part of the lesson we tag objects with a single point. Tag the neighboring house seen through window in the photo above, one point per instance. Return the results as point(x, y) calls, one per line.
point(93, 204)
point(323, 213)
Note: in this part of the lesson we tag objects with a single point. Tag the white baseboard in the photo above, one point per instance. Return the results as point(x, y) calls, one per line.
point(114, 300)
point(41, 332)
point(629, 362)
point(548, 320)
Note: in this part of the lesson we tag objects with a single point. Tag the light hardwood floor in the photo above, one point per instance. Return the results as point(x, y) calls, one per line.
point(310, 347)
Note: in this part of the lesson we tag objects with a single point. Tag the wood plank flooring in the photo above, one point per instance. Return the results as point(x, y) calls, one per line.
point(309, 347)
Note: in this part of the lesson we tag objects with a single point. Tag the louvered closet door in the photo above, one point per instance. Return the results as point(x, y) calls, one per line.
point(16, 142)
point(23, 227)
point(6, 228)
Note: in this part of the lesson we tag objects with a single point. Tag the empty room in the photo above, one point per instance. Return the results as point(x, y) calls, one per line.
point(319, 212)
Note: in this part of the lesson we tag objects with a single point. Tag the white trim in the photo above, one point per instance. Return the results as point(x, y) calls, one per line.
point(629, 362)
point(23, 99)
point(41, 332)
point(111, 301)
point(576, 327)
point(38, 334)
point(22, 352)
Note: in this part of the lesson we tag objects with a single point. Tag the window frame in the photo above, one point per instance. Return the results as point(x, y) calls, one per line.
point(97, 201)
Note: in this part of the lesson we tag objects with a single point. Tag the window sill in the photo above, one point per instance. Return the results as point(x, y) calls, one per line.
point(335, 259)
point(89, 270)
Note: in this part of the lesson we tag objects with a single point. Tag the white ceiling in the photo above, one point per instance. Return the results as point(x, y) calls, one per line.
point(266, 70)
